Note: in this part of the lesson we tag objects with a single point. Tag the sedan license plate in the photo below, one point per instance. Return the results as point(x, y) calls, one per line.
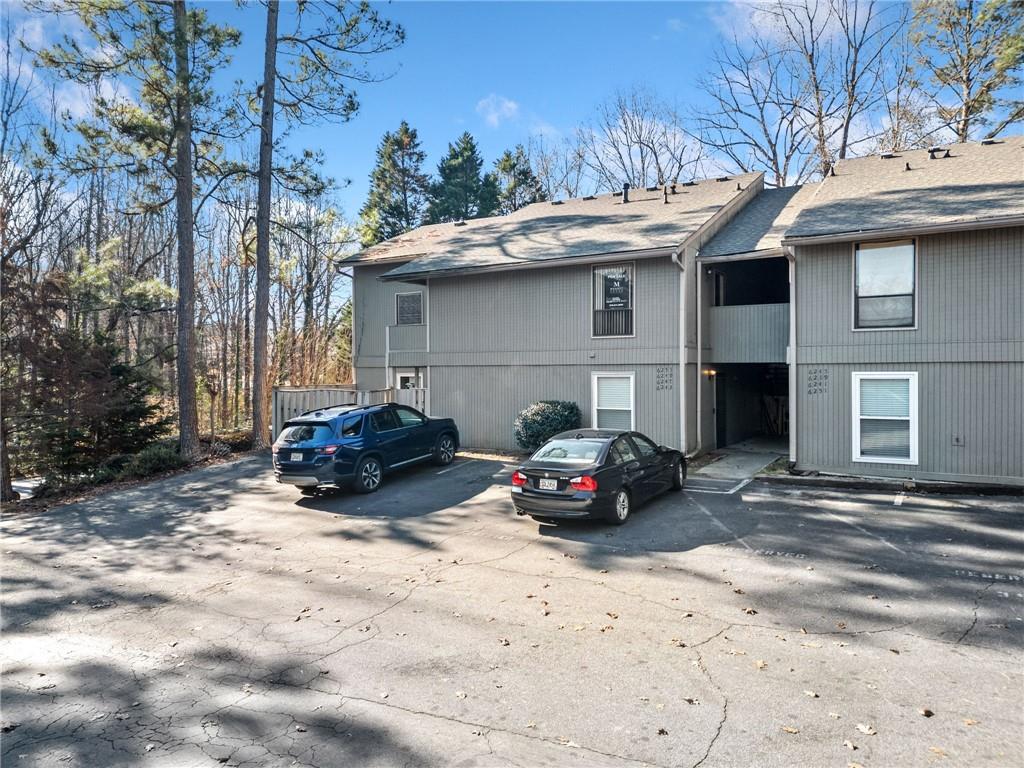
point(296, 457)
point(547, 484)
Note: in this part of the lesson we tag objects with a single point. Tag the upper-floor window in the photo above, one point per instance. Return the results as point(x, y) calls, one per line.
point(409, 308)
point(883, 285)
point(613, 300)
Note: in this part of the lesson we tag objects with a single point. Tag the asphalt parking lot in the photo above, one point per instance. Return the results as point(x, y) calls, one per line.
point(217, 618)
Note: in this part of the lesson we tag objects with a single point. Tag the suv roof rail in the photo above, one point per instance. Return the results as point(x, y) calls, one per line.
point(328, 407)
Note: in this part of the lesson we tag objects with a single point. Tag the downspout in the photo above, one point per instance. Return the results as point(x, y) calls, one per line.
point(678, 261)
point(791, 353)
point(700, 349)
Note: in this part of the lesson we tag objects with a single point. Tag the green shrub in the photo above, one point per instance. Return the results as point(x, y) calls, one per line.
point(538, 422)
point(152, 460)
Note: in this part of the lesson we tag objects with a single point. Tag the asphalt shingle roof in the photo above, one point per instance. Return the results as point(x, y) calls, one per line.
point(762, 222)
point(574, 228)
point(869, 194)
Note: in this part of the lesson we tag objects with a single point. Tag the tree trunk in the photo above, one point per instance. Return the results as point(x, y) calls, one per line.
point(260, 436)
point(188, 440)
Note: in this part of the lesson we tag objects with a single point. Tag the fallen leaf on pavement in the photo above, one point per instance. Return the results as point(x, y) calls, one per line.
point(460, 694)
point(738, 591)
point(849, 744)
point(790, 729)
point(834, 715)
point(612, 615)
point(662, 732)
point(893, 650)
point(938, 751)
point(762, 664)
point(300, 728)
point(925, 712)
point(750, 611)
point(812, 694)
point(531, 724)
point(691, 701)
point(970, 721)
point(866, 729)
point(503, 641)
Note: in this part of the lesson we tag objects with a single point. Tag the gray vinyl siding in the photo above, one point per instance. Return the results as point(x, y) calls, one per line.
point(501, 341)
point(374, 312)
point(484, 400)
point(981, 403)
point(543, 317)
point(749, 333)
point(968, 351)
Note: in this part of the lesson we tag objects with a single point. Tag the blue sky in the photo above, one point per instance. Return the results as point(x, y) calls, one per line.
point(501, 71)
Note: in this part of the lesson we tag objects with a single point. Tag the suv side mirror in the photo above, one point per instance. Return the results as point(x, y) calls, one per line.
point(663, 449)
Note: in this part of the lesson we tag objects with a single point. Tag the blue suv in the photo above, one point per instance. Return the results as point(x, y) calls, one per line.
point(353, 446)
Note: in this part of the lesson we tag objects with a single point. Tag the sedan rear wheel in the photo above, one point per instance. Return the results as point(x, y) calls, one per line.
point(621, 508)
point(369, 475)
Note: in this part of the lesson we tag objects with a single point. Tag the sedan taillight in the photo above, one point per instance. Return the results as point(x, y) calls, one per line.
point(584, 483)
point(518, 478)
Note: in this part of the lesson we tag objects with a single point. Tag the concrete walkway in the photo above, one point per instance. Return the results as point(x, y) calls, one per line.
point(743, 460)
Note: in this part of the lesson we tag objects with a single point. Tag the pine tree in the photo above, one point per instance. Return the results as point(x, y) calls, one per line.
point(973, 51)
point(398, 188)
point(172, 133)
point(518, 185)
point(461, 192)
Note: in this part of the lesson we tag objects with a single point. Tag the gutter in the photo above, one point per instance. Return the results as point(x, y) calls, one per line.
point(561, 261)
point(927, 229)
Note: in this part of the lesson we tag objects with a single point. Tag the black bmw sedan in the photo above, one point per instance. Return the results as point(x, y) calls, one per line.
point(595, 473)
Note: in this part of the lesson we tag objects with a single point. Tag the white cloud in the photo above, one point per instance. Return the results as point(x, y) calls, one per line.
point(495, 109)
point(675, 25)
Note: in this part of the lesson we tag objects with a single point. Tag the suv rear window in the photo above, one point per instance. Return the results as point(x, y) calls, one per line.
point(352, 426)
point(579, 452)
point(304, 433)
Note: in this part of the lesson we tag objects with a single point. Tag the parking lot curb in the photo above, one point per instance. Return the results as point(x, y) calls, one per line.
point(895, 486)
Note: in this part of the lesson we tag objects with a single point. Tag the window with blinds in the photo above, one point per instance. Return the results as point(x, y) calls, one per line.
point(409, 309)
point(613, 300)
point(885, 418)
point(612, 401)
point(883, 290)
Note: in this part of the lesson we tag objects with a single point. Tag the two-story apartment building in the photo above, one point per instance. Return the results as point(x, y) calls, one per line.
point(874, 318)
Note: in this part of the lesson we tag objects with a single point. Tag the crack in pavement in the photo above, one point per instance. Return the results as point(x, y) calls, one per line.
point(974, 623)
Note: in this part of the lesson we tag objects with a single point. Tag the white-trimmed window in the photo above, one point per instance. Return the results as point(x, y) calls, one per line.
point(613, 300)
point(884, 285)
point(885, 418)
point(409, 308)
point(612, 400)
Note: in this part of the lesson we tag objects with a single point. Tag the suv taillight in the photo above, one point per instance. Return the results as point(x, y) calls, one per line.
point(584, 483)
point(518, 478)
point(327, 450)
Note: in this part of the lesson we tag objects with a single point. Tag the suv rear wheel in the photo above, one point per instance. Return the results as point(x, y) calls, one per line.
point(444, 450)
point(369, 475)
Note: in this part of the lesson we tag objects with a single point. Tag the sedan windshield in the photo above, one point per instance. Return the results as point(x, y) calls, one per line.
point(579, 452)
point(304, 433)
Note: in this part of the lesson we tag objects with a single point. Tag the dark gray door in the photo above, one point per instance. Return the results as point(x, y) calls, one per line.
point(720, 415)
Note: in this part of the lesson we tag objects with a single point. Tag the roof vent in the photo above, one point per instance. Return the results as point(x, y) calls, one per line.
point(653, 189)
point(590, 197)
point(557, 202)
point(460, 223)
point(690, 183)
point(625, 192)
point(673, 187)
point(887, 155)
point(831, 170)
point(906, 167)
point(722, 178)
point(617, 193)
point(664, 192)
point(947, 155)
